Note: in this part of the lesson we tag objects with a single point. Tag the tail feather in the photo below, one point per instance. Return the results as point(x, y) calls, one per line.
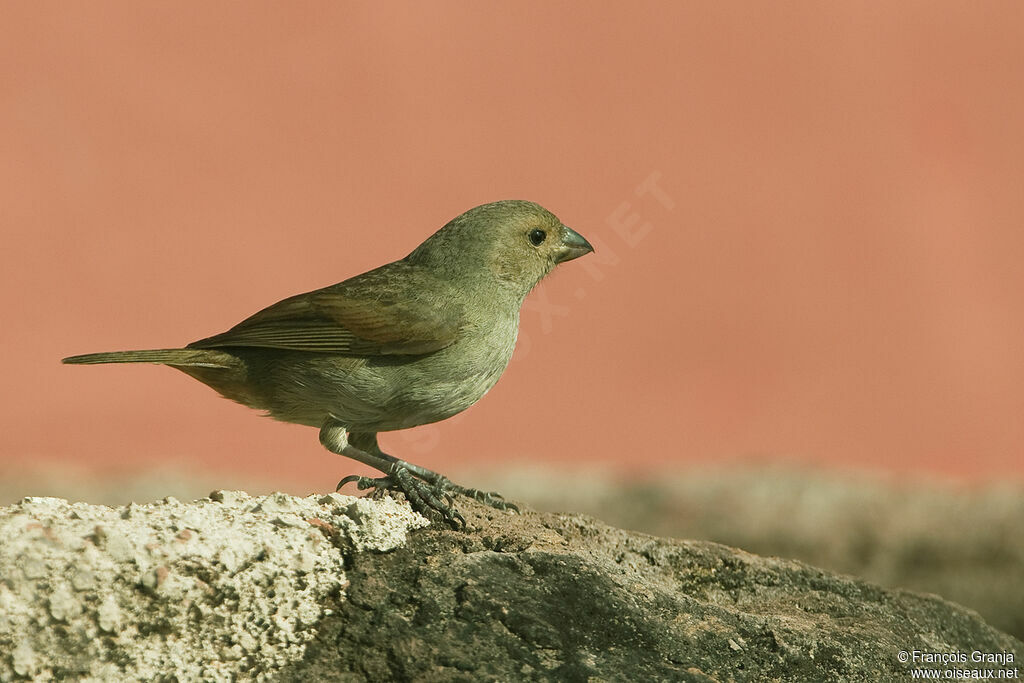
point(203, 358)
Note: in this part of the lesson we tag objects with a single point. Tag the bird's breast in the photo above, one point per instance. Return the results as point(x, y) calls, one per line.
point(450, 380)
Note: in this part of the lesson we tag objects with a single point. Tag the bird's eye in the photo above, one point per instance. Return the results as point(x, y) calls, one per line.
point(537, 237)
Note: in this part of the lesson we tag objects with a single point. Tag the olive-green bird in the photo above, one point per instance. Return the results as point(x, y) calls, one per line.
point(412, 342)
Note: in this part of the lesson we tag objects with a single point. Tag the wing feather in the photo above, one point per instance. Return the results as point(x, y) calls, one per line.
point(382, 312)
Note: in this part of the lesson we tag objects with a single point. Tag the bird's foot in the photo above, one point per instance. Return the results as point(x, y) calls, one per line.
point(380, 485)
point(428, 499)
point(495, 500)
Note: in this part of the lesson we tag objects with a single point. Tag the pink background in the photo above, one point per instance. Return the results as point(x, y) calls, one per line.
point(832, 269)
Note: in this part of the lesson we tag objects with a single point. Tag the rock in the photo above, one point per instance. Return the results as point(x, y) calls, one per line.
point(232, 587)
point(961, 540)
point(201, 591)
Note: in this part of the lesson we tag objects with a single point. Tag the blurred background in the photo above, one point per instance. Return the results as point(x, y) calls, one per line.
point(809, 221)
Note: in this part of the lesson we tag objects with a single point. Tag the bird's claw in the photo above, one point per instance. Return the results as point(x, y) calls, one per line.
point(495, 500)
point(427, 499)
point(428, 493)
point(380, 485)
point(363, 483)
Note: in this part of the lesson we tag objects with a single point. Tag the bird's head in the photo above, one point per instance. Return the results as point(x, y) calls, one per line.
point(512, 242)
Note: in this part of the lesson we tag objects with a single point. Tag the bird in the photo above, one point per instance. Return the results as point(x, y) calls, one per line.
point(409, 343)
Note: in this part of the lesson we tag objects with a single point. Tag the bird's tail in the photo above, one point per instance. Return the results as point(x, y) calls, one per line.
point(202, 358)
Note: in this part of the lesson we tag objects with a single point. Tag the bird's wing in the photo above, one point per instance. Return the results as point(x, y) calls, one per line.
point(381, 312)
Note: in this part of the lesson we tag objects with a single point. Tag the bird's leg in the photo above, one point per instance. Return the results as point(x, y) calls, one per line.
point(368, 443)
point(425, 498)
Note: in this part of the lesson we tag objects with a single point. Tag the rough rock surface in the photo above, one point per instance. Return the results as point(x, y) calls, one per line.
point(200, 590)
point(963, 541)
point(323, 588)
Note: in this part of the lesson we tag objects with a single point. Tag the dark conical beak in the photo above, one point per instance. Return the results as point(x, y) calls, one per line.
point(574, 245)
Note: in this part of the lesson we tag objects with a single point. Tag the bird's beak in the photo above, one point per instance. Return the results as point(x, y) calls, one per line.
point(573, 245)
